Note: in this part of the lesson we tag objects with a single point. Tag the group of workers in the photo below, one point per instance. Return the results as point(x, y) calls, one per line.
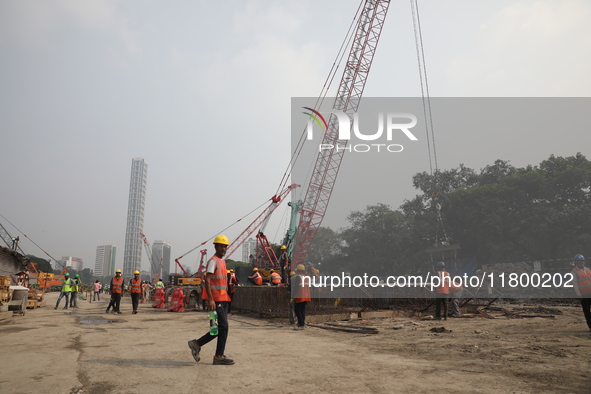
point(447, 289)
point(136, 287)
point(70, 288)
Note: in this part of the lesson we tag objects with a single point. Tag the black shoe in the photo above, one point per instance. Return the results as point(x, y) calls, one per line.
point(107, 311)
point(134, 312)
point(195, 349)
point(119, 312)
point(65, 308)
point(222, 361)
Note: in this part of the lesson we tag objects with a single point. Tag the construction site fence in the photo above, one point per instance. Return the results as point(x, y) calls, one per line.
point(273, 301)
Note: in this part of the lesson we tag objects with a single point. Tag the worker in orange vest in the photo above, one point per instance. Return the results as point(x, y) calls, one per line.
point(582, 285)
point(442, 291)
point(275, 278)
point(301, 295)
point(216, 286)
point(256, 278)
point(116, 288)
point(135, 289)
point(203, 293)
point(232, 284)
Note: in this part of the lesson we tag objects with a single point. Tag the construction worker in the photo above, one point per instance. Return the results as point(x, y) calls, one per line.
point(256, 278)
point(74, 296)
point(96, 287)
point(274, 278)
point(455, 291)
point(582, 285)
point(216, 285)
point(302, 295)
point(135, 289)
point(159, 284)
point(144, 291)
point(203, 293)
point(116, 287)
point(442, 291)
point(284, 263)
point(232, 283)
point(66, 290)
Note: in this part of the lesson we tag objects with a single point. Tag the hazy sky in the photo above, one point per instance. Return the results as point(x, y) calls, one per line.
point(202, 91)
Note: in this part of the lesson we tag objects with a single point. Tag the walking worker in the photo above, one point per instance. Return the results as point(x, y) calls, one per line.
point(159, 284)
point(301, 297)
point(116, 287)
point(275, 278)
point(144, 291)
point(582, 285)
point(75, 286)
point(256, 278)
point(442, 291)
point(66, 290)
point(216, 286)
point(96, 288)
point(135, 289)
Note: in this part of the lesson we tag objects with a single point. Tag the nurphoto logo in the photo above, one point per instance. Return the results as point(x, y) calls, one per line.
point(397, 124)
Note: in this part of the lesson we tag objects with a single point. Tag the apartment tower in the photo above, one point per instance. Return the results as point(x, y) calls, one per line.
point(132, 256)
point(104, 263)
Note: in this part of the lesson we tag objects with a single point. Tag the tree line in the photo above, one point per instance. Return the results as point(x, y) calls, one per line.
point(498, 214)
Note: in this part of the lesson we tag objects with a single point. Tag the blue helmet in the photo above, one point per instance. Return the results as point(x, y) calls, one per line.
point(579, 257)
point(441, 264)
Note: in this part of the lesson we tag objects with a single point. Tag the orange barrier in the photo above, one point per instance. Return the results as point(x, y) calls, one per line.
point(177, 302)
point(159, 299)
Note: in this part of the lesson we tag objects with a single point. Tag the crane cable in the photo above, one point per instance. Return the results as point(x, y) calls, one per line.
point(34, 243)
point(427, 113)
point(320, 99)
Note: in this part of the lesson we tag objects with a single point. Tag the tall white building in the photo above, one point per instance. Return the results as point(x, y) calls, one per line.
point(249, 248)
point(161, 252)
point(104, 264)
point(74, 263)
point(132, 256)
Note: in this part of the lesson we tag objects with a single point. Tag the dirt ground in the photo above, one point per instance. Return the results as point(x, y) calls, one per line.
point(88, 351)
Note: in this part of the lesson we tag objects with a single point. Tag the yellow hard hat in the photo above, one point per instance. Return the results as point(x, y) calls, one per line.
point(221, 239)
point(228, 271)
point(136, 272)
point(231, 270)
point(301, 267)
point(117, 271)
point(272, 271)
point(255, 269)
point(291, 273)
point(283, 247)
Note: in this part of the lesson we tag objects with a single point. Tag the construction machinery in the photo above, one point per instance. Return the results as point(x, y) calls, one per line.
point(347, 100)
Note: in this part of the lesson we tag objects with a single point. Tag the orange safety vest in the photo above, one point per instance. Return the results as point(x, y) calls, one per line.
point(117, 285)
point(302, 292)
point(275, 278)
point(258, 279)
point(443, 287)
point(218, 282)
point(584, 280)
point(232, 282)
point(136, 287)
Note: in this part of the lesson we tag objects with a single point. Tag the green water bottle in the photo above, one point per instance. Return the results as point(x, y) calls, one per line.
point(213, 323)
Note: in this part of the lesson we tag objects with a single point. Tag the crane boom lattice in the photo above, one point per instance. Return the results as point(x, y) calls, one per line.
point(347, 100)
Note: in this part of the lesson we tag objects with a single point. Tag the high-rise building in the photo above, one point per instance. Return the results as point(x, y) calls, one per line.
point(161, 253)
point(104, 264)
point(249, 250)
point(132, 256)
point(74, 263)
